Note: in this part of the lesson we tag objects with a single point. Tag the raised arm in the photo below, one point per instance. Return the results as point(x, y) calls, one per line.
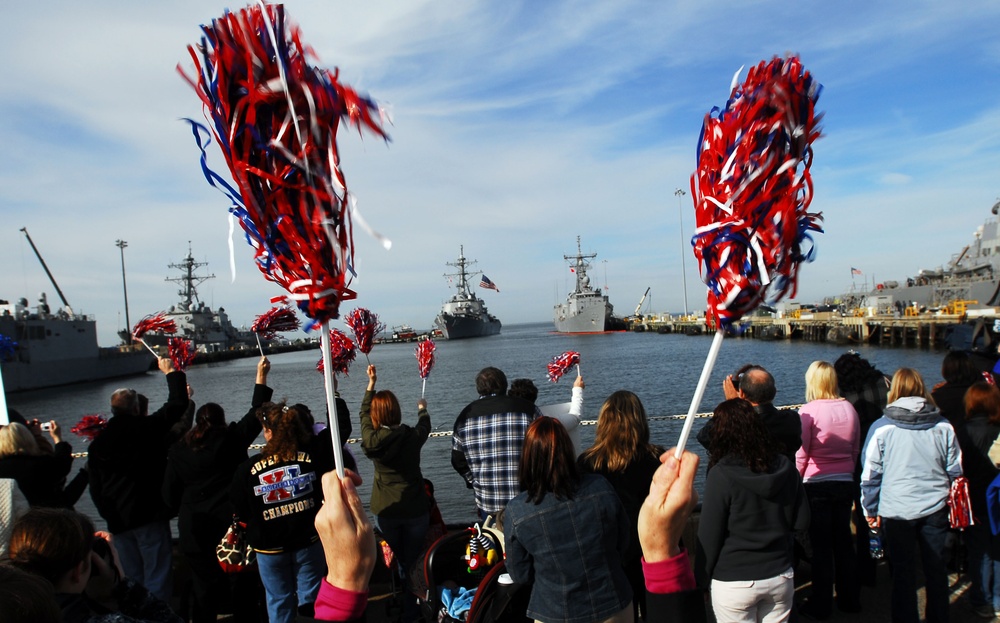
point(249, 426)
point(177, 395)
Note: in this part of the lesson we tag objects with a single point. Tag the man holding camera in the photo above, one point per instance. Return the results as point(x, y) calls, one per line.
point(756, 385)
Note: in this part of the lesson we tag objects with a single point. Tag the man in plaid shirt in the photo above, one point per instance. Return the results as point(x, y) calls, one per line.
point(487, 440)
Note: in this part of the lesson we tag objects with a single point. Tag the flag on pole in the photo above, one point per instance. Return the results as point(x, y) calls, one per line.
point(855, 271)
point(486, 283)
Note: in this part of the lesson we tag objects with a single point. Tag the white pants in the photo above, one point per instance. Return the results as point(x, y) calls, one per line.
point(754, 601)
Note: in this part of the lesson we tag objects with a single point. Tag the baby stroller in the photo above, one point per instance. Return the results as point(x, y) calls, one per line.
point(455, 565)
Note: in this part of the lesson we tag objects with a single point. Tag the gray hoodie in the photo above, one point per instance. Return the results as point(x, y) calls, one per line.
point(910, 458)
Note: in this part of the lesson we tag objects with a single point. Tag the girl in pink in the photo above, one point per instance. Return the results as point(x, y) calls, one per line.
point(831, 439)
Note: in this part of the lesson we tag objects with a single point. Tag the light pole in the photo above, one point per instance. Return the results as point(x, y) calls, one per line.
point(121, 244)
point(680, 215)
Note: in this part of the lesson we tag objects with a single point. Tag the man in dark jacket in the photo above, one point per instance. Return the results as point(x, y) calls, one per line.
point(756, 385)
point(126, 464)
point(487, 440)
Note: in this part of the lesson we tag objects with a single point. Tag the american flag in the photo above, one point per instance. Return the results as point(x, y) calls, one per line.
point(486, 283)
point(855, 271)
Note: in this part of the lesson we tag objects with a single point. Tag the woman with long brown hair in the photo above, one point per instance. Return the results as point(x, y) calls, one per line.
point(911, 457)
point(564, 534)
point(196, 487)
point(623, 454)
point(753, 504)
point(278, 493)
point(399, 499)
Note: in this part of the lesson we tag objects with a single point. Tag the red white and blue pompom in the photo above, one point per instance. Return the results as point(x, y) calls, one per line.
point(275, 117)
point(752, 189)
point(365, 325)
point(7, 348)
point(562, 363)
point(342, 353)
point(154, 322)
point(90, 426)
point(181, 352)
point(425, 357)
point(273, 321)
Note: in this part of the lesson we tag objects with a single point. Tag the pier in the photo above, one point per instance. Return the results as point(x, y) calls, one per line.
point(927, 330)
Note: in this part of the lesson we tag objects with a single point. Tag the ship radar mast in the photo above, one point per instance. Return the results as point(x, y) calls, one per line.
point(579, 264)
point(462, 274)
point(188, 280)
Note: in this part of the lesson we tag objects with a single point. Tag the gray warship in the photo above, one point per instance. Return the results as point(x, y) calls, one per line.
point(210, 330)
point(465, 315)
point(59, 347)
point(586, 309)
point(971, 275)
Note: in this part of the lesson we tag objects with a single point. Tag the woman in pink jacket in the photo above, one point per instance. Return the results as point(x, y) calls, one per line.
point(831, 439)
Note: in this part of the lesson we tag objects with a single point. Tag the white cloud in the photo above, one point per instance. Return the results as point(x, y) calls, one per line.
point(517, 128)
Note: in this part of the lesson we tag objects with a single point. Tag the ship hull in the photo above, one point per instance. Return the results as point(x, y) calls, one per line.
point(593, 316)
point(53, 352)
point(456, 327)
point(940, 294)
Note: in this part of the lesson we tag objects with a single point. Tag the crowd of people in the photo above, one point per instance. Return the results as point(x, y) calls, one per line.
point(591, 534)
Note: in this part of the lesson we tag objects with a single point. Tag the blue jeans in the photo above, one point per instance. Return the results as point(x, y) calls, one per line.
point(833, 546)
point(984, 571)
point(146, 554)
point(902, 539)
point(290, 579)
point(406, 538)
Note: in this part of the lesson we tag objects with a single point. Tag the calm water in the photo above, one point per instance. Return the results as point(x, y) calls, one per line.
point(661, 369)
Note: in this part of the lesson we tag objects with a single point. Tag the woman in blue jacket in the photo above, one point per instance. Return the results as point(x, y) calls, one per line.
point(564, 534)
point(911, 457)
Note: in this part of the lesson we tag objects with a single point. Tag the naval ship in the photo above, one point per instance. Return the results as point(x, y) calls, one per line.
point(210, 330)
point(972, 275)
point(586, 310)
point(465, 315)
point(59, 347)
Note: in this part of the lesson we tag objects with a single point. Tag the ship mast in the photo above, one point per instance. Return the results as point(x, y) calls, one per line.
point(462, 274)
point(579, 264)
point(188, 280)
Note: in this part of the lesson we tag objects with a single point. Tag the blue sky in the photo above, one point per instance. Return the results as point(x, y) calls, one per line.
point(516, 128)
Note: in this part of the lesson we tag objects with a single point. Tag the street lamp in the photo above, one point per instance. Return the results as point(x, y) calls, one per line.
point(121, 244)
point(680, 215)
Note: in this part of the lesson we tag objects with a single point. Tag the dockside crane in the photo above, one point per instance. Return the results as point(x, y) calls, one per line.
point(69, 310)
point(638, 307)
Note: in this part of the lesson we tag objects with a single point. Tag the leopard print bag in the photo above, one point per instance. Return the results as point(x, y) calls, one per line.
point(233, 552)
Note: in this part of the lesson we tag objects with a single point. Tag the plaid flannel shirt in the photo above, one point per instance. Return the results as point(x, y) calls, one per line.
point(486, 448)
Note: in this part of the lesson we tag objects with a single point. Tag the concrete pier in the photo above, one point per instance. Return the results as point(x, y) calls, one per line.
point(923, 331)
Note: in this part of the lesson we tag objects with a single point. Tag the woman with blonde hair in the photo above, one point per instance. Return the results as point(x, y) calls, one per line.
point(399, 499)
point(623, 454)
point(41, 476)
point(278, 493)
point(831, 439)
point(911, 457)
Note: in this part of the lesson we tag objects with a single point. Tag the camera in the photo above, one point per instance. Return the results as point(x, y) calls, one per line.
point(46, 426)
point(103, 550)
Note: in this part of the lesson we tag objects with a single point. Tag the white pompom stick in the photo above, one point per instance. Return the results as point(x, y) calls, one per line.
point(699, 392)
point(331, 405)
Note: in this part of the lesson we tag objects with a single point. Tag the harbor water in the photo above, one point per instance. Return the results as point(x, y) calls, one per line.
point(662, 370)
